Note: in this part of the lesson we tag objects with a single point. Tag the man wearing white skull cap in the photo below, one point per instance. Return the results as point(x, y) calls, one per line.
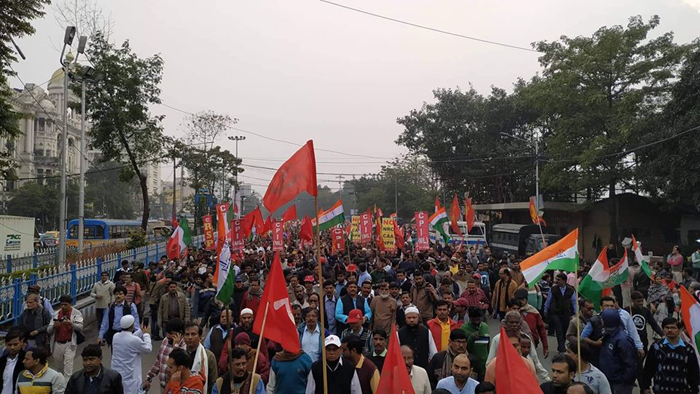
point(127, 347)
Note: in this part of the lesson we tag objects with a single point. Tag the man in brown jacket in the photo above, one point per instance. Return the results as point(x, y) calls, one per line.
point(173, 305)
point(383, 309)
point(503, 292)
point(424, 296)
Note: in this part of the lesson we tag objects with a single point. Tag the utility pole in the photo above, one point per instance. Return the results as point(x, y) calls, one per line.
point(235, 186)
point(83, 151)
point(396, 196)
point(340, 184)
point(174, 187)
point(182, 187)
point(65, 63)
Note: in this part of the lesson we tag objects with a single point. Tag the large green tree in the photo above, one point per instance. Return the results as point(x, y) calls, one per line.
point(16, 19)
point(671, 169)
point(464, 135)
point(117, 102)
point(591, 98)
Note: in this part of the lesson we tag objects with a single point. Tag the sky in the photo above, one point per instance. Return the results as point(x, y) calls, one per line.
point(306, 69)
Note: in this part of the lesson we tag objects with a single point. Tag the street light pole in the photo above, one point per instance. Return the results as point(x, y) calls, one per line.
point(65, 63)
point(83, 154)
point(235, 186)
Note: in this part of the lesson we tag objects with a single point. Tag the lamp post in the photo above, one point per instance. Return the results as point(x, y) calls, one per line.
point(235, 186)
point(67, 41)
point(81, 194)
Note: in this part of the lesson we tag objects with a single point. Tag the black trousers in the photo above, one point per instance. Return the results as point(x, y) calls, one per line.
point(560, 323)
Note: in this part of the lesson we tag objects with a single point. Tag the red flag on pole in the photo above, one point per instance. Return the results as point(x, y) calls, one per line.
point(514, 376)
point(422, 231)
point(469, 214)
point(279, 325)
point(289, 214)
point(366, 227)
point(394, 377)
point(296, 175)
point(237, 236)
point(338, 237)
point(437, 204)
point(399, 236)
point(306, 232)
point(455, 215)
point(267, 226)
point(277, 237)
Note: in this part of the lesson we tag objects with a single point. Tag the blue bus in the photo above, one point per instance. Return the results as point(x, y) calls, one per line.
point(101, 231)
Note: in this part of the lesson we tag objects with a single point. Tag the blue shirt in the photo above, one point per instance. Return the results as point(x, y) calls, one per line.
point(449, 384)
point(310, 342)
point(343, 318)
point(118, 313)
point(363, 277)
point(330, 304)
point(627, 325)
point(672, 346)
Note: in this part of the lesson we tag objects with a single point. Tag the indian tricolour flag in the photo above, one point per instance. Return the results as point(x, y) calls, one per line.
point(690, 308)
point(561, 255)
point(438, 220)
point(332, 217)
point(225, 275)
point(602, 277)
point(639, 256)
point(176, 247)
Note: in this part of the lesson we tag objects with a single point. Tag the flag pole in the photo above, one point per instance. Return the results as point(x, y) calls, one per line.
point(578, 326)
point(257, 350)
point(321, 305)
point(544, 242)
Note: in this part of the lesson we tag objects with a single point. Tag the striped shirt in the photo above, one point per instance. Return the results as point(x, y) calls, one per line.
point(47, 381)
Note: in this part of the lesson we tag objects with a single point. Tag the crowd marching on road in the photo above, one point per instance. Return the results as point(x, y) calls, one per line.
point(444, 304)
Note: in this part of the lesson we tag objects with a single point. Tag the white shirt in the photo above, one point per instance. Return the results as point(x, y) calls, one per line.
point(420, 380)
point(7, 380)
point(126, 357)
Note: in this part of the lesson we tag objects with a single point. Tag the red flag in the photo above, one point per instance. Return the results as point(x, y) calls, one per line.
point(469, 214)
point(422, 231)
point(399, 236)
point(279, 325)
point(366, 227)
point(455, 214)
point(208, 230)
point(394, 377)
point(289, 214)
point(338, 238)
point(437, 204)
point(296, 175)
point(306, 232)
point(267, 226)
point(277, 237)
point(534, 215)
point(513, 374)
point(237, 236)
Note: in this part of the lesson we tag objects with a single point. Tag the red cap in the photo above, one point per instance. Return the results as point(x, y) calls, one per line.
point(354, 316)
point(309, 278)
point(460, 302)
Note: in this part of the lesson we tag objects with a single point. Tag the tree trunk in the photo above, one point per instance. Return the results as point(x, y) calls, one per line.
point(146, 203)
point(613, 215)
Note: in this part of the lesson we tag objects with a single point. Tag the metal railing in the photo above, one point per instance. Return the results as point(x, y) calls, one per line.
point(76, 281)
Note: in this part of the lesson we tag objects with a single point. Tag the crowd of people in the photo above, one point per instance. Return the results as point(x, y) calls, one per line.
point(442, 302)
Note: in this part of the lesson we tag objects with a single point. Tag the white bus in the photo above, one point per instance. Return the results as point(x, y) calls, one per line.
point(475, 237)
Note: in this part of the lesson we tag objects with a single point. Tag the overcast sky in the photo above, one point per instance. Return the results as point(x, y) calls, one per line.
point(299, 70)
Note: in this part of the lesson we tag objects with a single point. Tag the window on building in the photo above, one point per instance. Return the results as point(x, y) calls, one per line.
point(40, 124)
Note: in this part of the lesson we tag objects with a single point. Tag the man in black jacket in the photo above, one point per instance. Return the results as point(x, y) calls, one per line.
point(560, 307)
point(416, 336)
point(95, 377)
point(440, 365)
point(14, 345)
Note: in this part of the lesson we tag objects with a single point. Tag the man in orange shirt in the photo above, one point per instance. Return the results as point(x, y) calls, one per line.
point(441, 326)
point(182, 380)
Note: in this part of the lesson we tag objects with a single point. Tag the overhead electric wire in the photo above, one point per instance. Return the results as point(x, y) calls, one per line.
point(431, 28)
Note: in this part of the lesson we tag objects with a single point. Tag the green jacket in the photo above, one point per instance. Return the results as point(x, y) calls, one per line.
point(478, 345)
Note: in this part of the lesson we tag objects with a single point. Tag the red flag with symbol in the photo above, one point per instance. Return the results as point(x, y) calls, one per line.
point(279, 324)
point(422, 231)
point(237, 236)
point(277, 236)
point(366, 227)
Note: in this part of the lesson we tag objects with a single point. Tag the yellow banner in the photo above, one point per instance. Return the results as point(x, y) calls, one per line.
point(355, 230)
point(388, 234)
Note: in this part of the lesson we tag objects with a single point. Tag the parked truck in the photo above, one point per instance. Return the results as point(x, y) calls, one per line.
point(17, 235)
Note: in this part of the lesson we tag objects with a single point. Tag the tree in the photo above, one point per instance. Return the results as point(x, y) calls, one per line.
point(462, 137)
point(16, 23)
point(123, 128)
point(671, 170)
point(401, 183)
point(592, 96)
point(108, 195)
point(85, 15)
point(42, 202)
